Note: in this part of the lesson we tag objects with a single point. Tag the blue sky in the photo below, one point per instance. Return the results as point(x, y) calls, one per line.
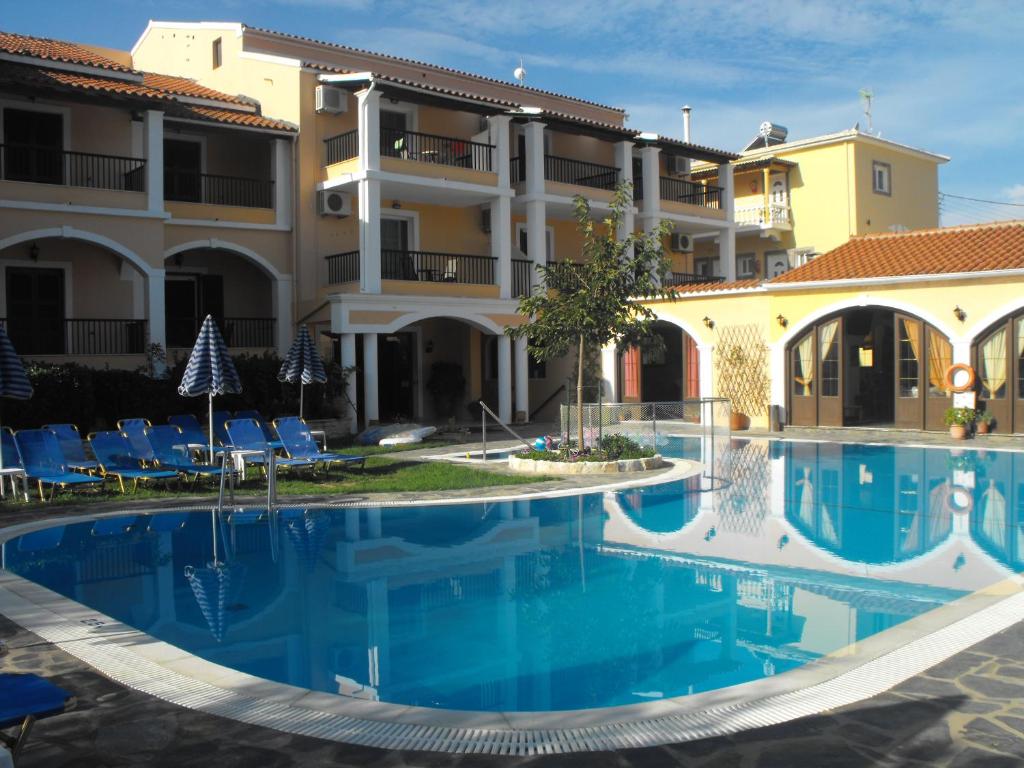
point(946, 76)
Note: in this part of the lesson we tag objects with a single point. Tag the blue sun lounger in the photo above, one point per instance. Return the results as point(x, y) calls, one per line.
point(220, 431)
point(135, 431)
point(44, 462)
point(268, 433)
point(171, 451)
point(73, 448)
point(299, 444)
point(13, 466)
point(117, 459)
point(25, 699)
point(246, 435)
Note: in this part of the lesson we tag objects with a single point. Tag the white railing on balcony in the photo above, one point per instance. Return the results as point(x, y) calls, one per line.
point(775, 215)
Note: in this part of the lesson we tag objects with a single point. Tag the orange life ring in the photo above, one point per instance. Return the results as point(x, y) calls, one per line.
point(951, 500)
point(951, 385)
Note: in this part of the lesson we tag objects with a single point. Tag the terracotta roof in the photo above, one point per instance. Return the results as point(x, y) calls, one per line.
point(235, 118)
point(735, 285)
point(182, 86)
point(434, 67)
point(57, 50)
point(941, 251)
point(711, 171)
point(42, 77)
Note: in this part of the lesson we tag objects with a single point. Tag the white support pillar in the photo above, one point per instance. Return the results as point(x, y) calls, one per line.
point(651, 181)
point(498, 131)
point(282, 171)
point(609, 374)
point(282, 304)
point(522, 371)
point(505, 378)
point(501, 244)
point(537, 236)
point(534, 158)
point(153, 147)
point(348, 361)
point(368, 102)
point(624, 161)
point(369, 191)
point(155, 308)
point(371, 407)
point(727, 236)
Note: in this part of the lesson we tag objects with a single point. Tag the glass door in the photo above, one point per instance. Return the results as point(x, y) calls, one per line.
point(830, 389)
point(909, 369)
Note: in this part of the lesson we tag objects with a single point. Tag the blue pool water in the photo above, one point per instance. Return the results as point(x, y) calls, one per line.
point(783, 552)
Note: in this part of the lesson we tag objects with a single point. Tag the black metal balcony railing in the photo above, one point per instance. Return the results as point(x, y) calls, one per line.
point(249, 332)
point(437, 267)
point(429, 148)
point(565, 170)
point(523, 277)
point(61, 336)
point(563, 275)
point(44, 165)
point(683, 191)
point(342, 147)
point(690, 278)
point(191, 187)
point(343, 267)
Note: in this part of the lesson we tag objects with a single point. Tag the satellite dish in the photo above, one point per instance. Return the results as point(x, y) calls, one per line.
point(519, 73)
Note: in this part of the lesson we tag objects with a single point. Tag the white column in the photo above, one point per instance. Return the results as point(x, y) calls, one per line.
point(155, 304)
point(536, 236)
point(371, 408)
point(153, 146)
point(505, 378)
point(369, 192)
point(498, 130)
point(534, 158)
point(283, 182)
point(348, 361)
point(501, 244)
point(651, 170)
point(624, 160)
point(609, 374)
point(522, 369)
point(727, 237)
point(282, 305)
point(369, 129)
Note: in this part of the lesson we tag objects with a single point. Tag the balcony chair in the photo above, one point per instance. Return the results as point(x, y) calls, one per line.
point(13, 466)
point(246, 435)
point(299, 444)
point(171, 452)
point(73, 448)
point(117, 459)
point(451, 272)
point(135, 431)
point(44, 462)
point(25, 698)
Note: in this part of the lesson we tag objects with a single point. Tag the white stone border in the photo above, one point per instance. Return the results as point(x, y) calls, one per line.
point(568, 468)
point(865, 669)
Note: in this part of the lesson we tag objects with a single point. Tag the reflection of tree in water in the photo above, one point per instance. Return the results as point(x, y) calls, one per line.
point(743, 500)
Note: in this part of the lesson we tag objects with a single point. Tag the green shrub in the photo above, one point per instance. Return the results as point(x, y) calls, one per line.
point(617, 447)
point(962, 417)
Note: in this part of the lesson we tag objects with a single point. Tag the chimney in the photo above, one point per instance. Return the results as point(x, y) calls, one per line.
point(686, 123)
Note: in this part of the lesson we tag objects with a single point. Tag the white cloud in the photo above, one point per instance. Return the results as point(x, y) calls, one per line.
point(1014, 194)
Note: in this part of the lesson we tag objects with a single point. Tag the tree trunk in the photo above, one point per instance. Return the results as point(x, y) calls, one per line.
point(579, 399)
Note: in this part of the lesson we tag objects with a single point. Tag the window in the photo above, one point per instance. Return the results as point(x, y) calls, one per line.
point(992, 366)
point(706, 267)
point(396, 261)
point(217, 53)
point(777, 262)
point(33, 143)
point(881, 178)
point(829, 345)
point(549, 240)
point(35, 310)
point(746, 265)
point(909, 357)
point(803, 366)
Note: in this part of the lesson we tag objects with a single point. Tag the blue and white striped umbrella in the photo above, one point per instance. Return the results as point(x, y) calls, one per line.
point(303, 365)
point(210, 370)
point(13, 381)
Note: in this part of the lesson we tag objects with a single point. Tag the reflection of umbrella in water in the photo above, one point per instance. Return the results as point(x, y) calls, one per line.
point(307, 530)
point(216, 588)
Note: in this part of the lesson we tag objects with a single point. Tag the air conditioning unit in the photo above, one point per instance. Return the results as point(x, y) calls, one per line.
point(331, 101)
point(682, 243)
point(680, 166)
point(485, 219)
point(331, 203)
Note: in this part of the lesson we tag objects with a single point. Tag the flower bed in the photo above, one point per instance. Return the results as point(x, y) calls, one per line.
point(556, 466)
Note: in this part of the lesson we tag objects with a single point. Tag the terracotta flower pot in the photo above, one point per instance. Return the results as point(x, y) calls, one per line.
point(738, 421)
point(982, 427)
point(958, 431)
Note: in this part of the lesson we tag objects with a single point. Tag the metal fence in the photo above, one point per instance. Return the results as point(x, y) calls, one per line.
point(642, 422)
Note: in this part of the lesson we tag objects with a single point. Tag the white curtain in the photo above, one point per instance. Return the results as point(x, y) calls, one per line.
point(993, 364)
point(805, 354)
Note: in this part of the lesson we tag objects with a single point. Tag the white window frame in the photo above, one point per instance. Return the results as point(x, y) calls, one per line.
point(747, 274)
point(413, 217)
point(40, 106)
point(411, 112)
point(549, 237)
point(193, 137)
point(881, 189)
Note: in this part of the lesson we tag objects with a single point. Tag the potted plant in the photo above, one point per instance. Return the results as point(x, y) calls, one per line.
point(959, 421)
point(983, 422)
point(741, 364)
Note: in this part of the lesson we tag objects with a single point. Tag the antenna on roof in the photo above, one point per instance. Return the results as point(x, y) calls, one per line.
point(866, 97)
point(519, 73)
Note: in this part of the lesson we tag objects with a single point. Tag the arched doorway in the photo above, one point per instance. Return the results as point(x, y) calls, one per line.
point(670, 374)
point(869, 366)
point(998, 357)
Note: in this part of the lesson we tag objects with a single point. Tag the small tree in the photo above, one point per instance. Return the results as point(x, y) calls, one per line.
point(597, 302)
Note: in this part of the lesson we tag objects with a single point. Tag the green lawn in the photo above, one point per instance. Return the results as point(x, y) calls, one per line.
point(382, 474)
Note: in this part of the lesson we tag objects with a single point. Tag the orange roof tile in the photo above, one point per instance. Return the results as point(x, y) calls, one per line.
point(57, 50)
point(236, 118)
point(182, 86)
point(735, 285)
point(945, 250)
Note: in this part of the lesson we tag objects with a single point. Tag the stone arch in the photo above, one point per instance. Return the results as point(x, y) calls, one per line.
point(225, 245)
point(74, 233)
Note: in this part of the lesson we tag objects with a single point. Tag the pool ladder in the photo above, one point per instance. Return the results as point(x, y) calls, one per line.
point(271, 465)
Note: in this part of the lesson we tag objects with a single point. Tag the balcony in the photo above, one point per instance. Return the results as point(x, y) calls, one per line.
point(192, 187)
point(565, 170)
point(523, 277)
point(417, 266)
point(43, 165)
point(57, 336)
point(238, 332)
point(690, 193)
point(412, 145)
point(690, 278)
point(775, 215)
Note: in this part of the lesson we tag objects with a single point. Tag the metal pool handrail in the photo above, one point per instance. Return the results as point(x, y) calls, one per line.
point(506, 427)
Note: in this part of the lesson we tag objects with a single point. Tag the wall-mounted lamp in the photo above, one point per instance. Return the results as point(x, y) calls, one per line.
point(959, 313)
point(708, 322)
point(33, 252)
point(960, 562)
point(396, 205)
point(782, 321)
point(429, 346)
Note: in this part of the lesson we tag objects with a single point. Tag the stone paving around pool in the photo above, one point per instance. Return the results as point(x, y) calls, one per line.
point(967, 711)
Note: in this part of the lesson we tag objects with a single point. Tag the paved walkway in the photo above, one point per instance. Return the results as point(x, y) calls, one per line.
point(967, 711)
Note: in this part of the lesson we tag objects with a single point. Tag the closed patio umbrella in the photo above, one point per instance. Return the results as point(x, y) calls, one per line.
point(303, 365)
point(13, 381)
point(210, 370)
